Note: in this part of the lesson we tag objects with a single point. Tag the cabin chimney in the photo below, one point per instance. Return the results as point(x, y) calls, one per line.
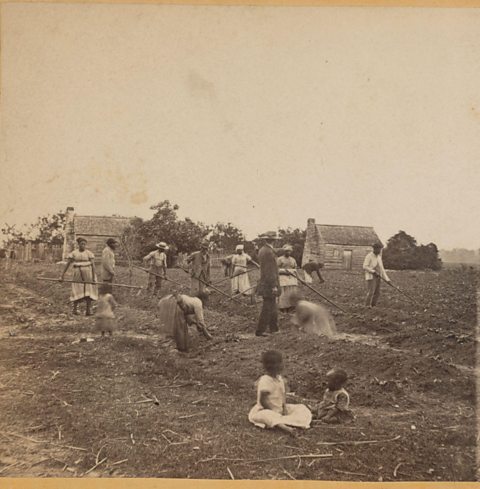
point(310, 221)
point(69, 233)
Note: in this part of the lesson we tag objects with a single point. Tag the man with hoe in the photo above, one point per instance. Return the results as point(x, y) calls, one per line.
point(374, 273)
point(108, 263)
point(200, 269)
point(157, 260)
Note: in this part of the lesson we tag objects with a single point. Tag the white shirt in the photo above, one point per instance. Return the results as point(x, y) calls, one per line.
point(158, 257)
point(373, 263)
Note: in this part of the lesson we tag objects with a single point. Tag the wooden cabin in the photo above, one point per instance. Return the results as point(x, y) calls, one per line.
point(96, 230)
point(338, 247)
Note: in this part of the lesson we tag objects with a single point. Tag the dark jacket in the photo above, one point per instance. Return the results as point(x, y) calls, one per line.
point(267, 260)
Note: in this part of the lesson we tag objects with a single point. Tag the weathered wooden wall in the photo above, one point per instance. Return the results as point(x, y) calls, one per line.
point(332, 256)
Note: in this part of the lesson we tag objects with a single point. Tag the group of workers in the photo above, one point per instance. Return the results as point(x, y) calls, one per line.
point(277, 285)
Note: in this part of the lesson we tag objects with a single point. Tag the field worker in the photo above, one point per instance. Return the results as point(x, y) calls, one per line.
point(268, 286)
point(83, 262)
point(200, 269)
point(178, 311)
point(374, 272)
point(310, 267)
point(157, 260)
point(312, 318)
point(240, 280)
point(287, 266)
point(227, 265)
point(108, 263)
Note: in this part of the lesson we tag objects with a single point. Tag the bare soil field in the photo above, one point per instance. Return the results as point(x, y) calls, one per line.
point(132, 406)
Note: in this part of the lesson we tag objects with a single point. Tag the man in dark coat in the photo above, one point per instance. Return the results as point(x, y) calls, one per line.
point(268, 285)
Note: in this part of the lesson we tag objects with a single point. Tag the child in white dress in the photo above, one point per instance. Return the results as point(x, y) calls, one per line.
point(271, 409)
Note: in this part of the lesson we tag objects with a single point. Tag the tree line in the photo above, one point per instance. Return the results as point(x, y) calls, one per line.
point(402, 252)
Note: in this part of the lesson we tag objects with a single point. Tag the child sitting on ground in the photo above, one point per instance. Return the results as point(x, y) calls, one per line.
point(104, 317)
point(334, 408)
point(271, 409)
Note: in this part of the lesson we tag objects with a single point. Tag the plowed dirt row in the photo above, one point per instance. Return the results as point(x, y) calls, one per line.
point(136, 407)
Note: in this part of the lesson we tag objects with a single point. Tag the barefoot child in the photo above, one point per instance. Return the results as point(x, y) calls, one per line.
point(271, 409)
point(104, 317)
point(334, 408)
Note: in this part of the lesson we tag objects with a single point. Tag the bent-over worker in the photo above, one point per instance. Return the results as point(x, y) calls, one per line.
point(178, 311)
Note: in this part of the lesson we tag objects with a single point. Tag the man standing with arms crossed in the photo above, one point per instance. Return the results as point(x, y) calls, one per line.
point(268, 285)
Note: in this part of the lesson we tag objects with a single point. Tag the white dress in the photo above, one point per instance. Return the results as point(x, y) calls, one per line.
point(83, 272)
point(240, 280)
point(297, 415)
point(288, 283)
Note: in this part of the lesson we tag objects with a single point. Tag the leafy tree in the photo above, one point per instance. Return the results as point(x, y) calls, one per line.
point(226, 236)
point(182, 235)
point(296, 238)
point(48, 229)
point(403, 253)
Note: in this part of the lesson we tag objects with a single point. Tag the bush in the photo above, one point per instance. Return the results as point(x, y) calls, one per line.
point(403, 253)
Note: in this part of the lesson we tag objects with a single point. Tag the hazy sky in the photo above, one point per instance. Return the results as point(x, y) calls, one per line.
point(259, 116)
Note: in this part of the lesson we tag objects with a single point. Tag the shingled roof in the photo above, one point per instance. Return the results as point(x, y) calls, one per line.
point(100, 225)
point(347, 235)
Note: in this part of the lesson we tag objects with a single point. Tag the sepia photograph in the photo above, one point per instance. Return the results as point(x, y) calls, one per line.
point(239, 242)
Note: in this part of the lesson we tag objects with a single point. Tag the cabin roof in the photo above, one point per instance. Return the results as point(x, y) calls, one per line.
point(100, 225)
point(347, 235)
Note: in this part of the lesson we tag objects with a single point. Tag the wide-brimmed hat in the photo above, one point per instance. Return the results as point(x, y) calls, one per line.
point(162, 245)
point(268, 235)
point(239, 247)
point(287, 247)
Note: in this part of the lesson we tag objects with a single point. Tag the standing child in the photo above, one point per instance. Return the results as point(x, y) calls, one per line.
point(271, 409)
point(105, 318)
point(334, 408)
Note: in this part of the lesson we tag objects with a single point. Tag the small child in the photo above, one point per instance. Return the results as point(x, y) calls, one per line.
point(271, 409)
point(334, 408)
point(104, 317)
